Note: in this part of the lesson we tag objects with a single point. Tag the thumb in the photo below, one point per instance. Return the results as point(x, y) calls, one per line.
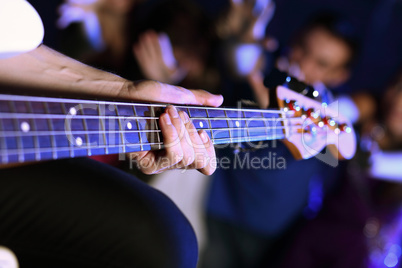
point(205, 98)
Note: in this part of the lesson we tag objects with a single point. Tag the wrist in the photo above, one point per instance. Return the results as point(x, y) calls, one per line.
point(126, 90)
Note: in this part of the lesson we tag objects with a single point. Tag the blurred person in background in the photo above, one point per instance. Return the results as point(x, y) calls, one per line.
point(99, 32)
point(321, 55)
point(361, 222)
point(175, 43)
point(252, 213)
point(243, 45)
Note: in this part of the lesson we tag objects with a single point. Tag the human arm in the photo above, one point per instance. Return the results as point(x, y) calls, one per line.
point(44, 68)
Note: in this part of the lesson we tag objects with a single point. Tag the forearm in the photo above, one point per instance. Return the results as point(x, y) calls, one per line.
point(49, 70)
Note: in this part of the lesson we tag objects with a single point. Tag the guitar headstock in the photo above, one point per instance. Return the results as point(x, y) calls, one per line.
point(310, 126)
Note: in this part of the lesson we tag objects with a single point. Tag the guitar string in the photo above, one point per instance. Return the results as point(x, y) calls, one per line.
point(234, 121)
point(147, 131)
point(119, 130)
point(128, 145)
point(214, 140)
point(63, 116)
point(61, 101)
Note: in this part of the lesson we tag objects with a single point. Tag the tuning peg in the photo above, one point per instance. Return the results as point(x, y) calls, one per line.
point(294, 106)
point(345, 128)
point(331, 122)
point(321, 123)
point(311, 113)
point(328, 121)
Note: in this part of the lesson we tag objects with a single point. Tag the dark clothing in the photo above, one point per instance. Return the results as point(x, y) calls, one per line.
point(264, 199)
point(81, 213)
point(230, 246)
point(261, 208)
point(336, 237)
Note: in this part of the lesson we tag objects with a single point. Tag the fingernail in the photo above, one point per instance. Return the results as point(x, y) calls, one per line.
point(184, 117)
point(166, 118)
point(173, 112)
point(204, 137)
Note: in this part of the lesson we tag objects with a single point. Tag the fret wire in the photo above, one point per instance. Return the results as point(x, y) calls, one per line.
point(248, 131)
point(21, 156)
point(123, 140)
point(84, 122)
point(265, 125)
point(227, 122)
point(70, 145)
point(58, 100)
point(288, 127)
point(53, 136)
point(3, 144)
point(102, 125)
point(44, 150)
point(156, 125)
point(209, 124)
point(138, 127)
point(36, 138)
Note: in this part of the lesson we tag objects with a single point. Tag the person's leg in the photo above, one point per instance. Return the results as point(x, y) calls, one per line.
point(229, 246)
point(81, 213)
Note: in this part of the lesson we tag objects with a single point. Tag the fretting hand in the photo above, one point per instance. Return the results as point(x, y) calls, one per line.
point(185, 147)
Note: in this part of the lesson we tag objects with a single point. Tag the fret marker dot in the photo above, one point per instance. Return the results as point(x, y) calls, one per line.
point(73, 111)
point(25, 127)
point(79, 141)
point(237, 124)
point(201, 124)
point(129, 125)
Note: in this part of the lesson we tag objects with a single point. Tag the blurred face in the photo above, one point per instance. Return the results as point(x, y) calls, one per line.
point(322, 57)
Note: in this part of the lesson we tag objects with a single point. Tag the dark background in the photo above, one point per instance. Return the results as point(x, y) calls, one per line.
point(379, 24)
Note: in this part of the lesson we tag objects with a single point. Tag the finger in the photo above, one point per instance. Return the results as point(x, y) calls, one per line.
point(160, 92)
point(138, 53)
point(202, 155)
point(152, 162)
point(166, 50)
point(145, 49)
point(209, 147)
point(205, 98)
point(152, 44)
point(185, 141)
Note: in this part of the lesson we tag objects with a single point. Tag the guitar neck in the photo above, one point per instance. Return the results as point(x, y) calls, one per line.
point(41, 128)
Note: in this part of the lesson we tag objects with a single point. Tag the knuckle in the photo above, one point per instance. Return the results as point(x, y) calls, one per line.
point(177, 157)
point(188, 157)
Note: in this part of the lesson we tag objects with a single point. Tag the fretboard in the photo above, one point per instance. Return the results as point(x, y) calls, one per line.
point(41, 128)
